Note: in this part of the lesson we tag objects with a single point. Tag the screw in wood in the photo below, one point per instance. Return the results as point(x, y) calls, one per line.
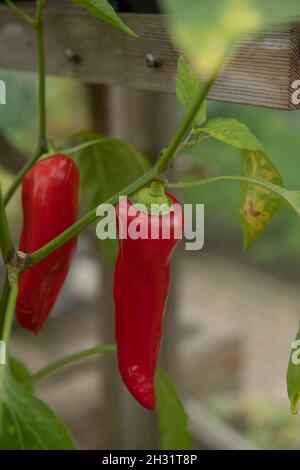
point(71, 55)
point(152, 60)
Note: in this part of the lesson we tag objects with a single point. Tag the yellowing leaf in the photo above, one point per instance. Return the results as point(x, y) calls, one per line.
point(257, 205)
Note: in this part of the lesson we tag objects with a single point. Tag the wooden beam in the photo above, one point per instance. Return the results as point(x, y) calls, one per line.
point(261, 71)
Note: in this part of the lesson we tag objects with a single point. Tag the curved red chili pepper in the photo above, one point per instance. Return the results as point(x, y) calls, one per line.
point(50, 194)
point(141, 288)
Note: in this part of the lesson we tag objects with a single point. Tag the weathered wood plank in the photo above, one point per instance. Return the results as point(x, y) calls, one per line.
point(261, 70)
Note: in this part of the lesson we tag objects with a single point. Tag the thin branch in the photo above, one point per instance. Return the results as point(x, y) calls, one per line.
point(42, 139)
point(170, 151)
point(20, 175)
point(3, 301)
point(226, 179)
point(40, 9)
point(10, 308)
point(90, 143)
point(280, 192)
point(54, 366)
point(21, 12)
point(6, 244)
point(42, 79)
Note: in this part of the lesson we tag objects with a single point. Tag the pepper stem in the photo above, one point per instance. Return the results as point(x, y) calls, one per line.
point(52, 150)
point(156, 189)
point(153, 197)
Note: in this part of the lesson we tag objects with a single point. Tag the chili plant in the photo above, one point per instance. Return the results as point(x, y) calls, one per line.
point(36, 270)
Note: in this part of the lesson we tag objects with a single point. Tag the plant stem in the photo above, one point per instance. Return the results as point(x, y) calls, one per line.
point(82, 146)
point(38, 24)
point(19, 177)
point(46, 250)
point(68, 360)
point(3, 301)
point(279, 191)
point(20, 12)
point(40, 9)
point(223, 179)
point(6, 244)
point(10, 308)
point(52, 149)
point(170, 151)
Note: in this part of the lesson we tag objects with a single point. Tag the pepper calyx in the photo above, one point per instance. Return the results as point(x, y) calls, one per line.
point(154, 199)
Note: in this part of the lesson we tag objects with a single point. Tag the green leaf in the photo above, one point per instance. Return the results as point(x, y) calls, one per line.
point(172, 418)
point(257, 204)
point(26, 423)
point(104, 11)
point(105, 169)
point(188, 87)
point(19, 372)
point(232, 132)
point(293, 375)
point(206, 30)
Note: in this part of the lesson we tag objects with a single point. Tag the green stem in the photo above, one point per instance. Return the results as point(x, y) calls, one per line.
point(19, 177)
point(223, 179)
point(90, 217)
point(82, 146)
point(52, 149)
point(3, 301)
point(40, 9)
point(42, 73)
point(6, 244)
point(170, 151)
point(68, 360)
point(42, 142)
point(280, 192)
point(10, 309)
point(20, 12)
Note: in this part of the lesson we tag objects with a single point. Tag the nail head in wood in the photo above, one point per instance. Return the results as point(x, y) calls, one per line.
point(152, 60)
point(71, 55)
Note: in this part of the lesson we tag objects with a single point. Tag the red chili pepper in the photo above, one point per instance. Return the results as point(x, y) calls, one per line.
point(141, 288)
point(50, 195)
